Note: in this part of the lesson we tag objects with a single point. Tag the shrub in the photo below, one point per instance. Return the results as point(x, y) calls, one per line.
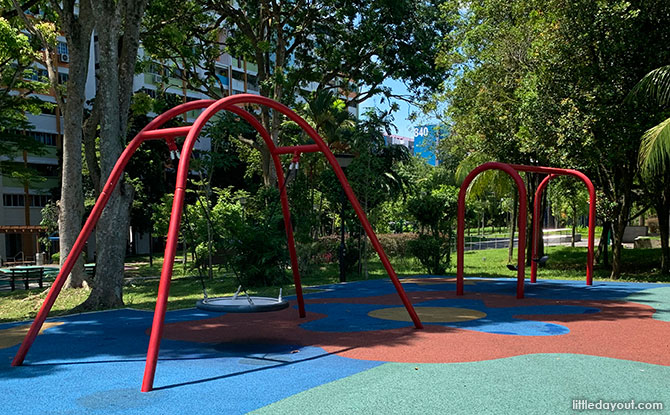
point(396, 245)
point(431, 252)
point(248, 239)
point(435, 210)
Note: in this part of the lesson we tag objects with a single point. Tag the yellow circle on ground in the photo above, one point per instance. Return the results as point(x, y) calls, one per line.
point(15, 335)
point(429, 314)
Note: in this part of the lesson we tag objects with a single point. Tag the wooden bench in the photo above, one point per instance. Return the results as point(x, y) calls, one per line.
point(6, 280)
point(28, 275)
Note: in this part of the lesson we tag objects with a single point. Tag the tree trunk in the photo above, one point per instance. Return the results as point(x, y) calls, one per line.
point(602, 245)
point(663, 212)
point(78, 30)
point(621, 217)
point(574, 225)
point(111, 238)
point(617, 248)
point(540, 233)
point(118, 42)
point(71, 204)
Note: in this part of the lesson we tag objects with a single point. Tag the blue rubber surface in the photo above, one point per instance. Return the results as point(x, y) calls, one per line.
point(93, 363)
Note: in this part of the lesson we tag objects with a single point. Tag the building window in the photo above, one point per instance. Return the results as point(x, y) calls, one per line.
point(39, 200)
point(149, 92)
point(14, 200)
point(62, 48)
point(155, 68)
point(31, 74)
point(36, 74)
point(48, 110)
point(63, 77)
point(48, 139)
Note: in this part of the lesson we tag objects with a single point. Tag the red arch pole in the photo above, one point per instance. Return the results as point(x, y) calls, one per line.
point(460, 234)
point(175, 218)
point(147, 133)
point(592, 208)
point(536, 225)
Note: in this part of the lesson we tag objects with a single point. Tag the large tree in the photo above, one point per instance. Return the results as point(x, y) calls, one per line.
point(117, 26)
point(546, 81)
point(344, 46)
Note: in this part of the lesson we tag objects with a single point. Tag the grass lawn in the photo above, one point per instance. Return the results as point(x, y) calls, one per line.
point(142, 282)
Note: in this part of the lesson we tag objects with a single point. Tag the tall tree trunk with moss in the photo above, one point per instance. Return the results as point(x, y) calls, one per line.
point(78, 31)
point(118, 28)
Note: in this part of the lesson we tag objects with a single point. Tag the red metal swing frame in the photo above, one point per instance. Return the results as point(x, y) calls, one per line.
point(512, 170)
point(153, 132)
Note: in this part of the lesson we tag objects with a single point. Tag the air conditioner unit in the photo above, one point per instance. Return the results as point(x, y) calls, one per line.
point(64, 57)
point(156, 79)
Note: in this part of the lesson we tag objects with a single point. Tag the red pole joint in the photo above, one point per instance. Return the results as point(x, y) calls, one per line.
point(295, 162)
point(171, 143)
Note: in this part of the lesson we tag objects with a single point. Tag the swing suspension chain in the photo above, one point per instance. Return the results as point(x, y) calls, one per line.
point(174, 155)
point(194, 252)
point(292, 168)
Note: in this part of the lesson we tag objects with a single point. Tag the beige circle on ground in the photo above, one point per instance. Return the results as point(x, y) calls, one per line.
point(429, 314)
point(15, 335)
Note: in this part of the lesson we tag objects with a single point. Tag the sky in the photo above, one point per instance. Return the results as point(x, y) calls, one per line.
point(405, 126)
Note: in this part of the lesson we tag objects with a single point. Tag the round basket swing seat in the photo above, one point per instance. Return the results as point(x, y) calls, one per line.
point(242, 304)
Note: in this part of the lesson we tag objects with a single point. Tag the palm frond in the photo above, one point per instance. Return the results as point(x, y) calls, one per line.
point(655, 148)
point(655, 85)
point(468, 164)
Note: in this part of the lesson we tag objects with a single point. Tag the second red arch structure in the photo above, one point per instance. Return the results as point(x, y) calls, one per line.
point(512, 170)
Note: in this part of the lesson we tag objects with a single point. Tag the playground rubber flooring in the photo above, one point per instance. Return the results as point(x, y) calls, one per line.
point(357, 352)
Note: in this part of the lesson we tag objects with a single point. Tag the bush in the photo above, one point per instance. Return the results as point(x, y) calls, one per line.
point(434, 209)
point(396, 245)
point(326, 249)
point(248, 239)
point(431, 252)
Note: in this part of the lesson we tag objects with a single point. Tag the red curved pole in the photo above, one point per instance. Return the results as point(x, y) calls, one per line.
point(175, 217)
point(460, 234)
point(592, 210)
point(92, 220)
point(536, 225)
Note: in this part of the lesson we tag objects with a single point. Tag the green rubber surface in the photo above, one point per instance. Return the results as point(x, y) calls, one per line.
point(530, 384)
point(656, 298)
